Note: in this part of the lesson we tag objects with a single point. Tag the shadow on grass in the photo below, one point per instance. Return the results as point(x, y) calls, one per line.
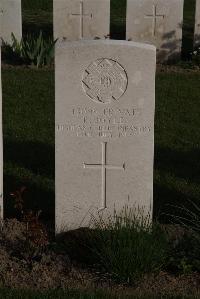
point(167, 202)
point(184, 168)
point(36, 198)
point(35, 156)
point(118, 19)
point(182, 164)
point(30, 164)
point(188, 28)
point(34, 24)
point(37, 16)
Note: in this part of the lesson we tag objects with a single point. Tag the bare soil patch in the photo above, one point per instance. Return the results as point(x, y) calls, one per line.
point(28, 267)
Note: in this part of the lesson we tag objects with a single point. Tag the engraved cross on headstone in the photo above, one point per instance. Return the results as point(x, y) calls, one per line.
point(81, 15)
point(154, 18)
point(104, 167)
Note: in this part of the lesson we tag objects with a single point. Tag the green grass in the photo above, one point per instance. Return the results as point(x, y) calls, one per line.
point(28, 110)
point(188, 27)
point(37, 4)
point(118, 19)
point(37, 16)
point(177, 147)
point(21, 294)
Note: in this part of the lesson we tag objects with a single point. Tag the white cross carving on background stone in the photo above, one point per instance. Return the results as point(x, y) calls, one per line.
point(103, 166)
point(81, 15)
point(154, 18)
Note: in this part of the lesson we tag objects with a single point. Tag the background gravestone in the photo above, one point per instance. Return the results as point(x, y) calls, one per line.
point(75, 19)
point(10, 19)
point(105, 94)
point(1, 147)
point(197, 25)
point(157, 22)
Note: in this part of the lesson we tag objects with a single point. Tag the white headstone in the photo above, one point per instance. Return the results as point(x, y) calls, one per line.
point(157, 22)
point(197, 25)
point(105, 97)
point(78, 19)
point(1, 148)
point(10, 19)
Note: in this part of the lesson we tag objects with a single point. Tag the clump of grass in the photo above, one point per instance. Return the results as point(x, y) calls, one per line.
point(128, 245)
point(191, 218)
point(185, 255)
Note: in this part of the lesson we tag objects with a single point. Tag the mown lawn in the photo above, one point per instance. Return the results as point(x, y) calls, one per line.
point(188, 27)
point(28, 117)
point(177, 144)
point(28, 120)
point(37, 15)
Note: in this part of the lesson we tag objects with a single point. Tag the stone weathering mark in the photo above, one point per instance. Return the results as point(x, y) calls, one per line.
point(103, 166)
point(1, 15)
point(154, 18)
point(105, 81)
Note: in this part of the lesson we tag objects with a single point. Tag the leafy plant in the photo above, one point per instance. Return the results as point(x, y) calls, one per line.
point(35, 238)
point(30, 50)
point(35, 232)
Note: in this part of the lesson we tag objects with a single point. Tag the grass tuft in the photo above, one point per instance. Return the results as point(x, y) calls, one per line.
point(128, 245)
